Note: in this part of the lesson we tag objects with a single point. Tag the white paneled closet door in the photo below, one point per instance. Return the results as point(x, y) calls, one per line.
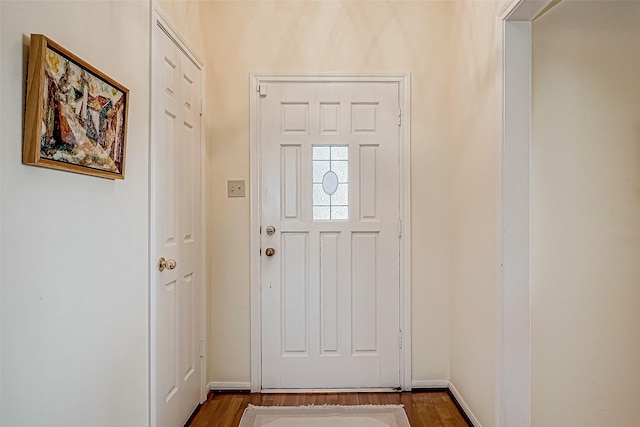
point(177, 279)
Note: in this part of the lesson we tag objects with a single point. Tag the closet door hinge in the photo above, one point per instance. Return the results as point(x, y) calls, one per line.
point(262, 89)
point(399, 117)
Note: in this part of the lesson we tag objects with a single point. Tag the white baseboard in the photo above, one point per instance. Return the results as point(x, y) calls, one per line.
point(464, 405)
point(429, 384)
point(223, 385)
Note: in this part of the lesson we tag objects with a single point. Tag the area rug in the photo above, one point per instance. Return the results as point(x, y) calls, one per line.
point(325, 416)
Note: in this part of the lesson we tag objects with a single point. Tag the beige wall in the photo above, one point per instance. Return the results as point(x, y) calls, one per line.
point(185, 16)
point(451, 51)
point(474, 136)
point(340, 36)
point(586, 215)
point(74, 249)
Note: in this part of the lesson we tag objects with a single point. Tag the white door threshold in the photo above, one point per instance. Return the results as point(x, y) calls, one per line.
point(331, 390)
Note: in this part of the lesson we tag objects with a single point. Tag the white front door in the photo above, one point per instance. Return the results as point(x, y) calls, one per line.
point(177, 282)
point(330, 234)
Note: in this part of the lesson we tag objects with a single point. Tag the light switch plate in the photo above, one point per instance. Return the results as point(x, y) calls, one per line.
point(235, 188)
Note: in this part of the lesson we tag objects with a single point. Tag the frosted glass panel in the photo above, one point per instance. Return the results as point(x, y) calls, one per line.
point(339, 212)
point(341, 196)
point(320, 198)
point(321, 212)
point(322, 152)
point(320, 168)
point(342, 170)
point(339, 153)
point(330, 202)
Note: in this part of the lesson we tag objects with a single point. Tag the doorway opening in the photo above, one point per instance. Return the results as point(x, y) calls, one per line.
point(337, 259)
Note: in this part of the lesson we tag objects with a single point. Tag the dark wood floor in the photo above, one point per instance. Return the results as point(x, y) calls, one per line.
point(424, 409)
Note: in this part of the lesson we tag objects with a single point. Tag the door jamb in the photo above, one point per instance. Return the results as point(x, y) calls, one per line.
point(404, 91)
point(160, 19)
point(513, 382)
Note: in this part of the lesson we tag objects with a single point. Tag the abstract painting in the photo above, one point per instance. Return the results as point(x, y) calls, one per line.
point(76, 116)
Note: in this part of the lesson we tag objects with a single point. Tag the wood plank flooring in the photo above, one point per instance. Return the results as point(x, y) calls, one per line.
point(423, 408)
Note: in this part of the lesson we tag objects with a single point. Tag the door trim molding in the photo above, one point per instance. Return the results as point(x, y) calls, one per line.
point(404, 92)
point(513, 382)
point(159, 18)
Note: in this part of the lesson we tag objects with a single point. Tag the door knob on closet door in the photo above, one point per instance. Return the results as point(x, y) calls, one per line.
point(168, 264)
point(269, 252)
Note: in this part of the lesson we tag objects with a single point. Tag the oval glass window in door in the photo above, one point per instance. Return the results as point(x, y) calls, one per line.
point(330, 183)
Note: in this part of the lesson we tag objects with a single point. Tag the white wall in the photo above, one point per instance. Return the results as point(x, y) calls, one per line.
point(1, 68)
point(322, 36)
point(586, 215)
point(74, 248)
point(74, 314)
point(474, 135)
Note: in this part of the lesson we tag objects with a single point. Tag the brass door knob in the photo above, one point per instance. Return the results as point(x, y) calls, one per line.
point(269, 252)
point(168, 264)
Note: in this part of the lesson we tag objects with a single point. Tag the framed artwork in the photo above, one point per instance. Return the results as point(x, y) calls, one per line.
point(76, 116)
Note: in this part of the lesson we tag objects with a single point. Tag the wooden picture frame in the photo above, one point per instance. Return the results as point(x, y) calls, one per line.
point(76, 116)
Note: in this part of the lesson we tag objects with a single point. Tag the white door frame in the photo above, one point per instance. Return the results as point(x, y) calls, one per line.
point(403, 81)
point(513, 382)
point(158, 18)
